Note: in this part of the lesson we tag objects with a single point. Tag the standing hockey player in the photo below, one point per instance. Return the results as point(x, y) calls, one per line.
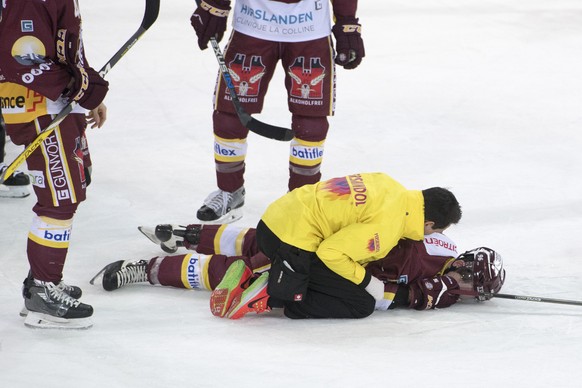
point(16, 186)
point(297, 33)
point(43, 68)
point(414, 273)
point(320, 236)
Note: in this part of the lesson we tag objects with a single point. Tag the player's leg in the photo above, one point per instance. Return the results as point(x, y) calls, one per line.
point(310, 83)
point(59, 184)
point(251, 63)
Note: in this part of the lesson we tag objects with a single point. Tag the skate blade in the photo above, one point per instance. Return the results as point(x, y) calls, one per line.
point(37, 320)
point(150, 233)
point(14, 191)
point(24, 312)
point(228, 218)
point(92, 281)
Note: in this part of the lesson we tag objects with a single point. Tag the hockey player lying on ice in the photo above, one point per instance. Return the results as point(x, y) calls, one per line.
point(416, 274)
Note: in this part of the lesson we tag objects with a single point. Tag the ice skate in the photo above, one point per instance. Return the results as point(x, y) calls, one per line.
point(222, 207)
point(50, 307)
point(253, 299)
point(120, 273)
point(232, 285)
point(16, 186)
point(171, 237)
point(72, 291)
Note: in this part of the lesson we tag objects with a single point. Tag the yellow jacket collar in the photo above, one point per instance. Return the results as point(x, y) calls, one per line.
point(414, 225)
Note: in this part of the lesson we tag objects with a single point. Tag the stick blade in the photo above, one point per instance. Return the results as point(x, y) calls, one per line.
point(270, 131)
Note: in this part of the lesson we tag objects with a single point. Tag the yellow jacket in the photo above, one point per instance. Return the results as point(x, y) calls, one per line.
point(348, 221)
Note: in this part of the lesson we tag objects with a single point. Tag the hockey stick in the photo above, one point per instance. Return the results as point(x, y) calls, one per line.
point(152, 8)
point(254, 125)
point(489, 295)
point(534, 299)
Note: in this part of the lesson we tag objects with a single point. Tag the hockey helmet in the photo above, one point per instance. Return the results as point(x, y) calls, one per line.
point(484, 267)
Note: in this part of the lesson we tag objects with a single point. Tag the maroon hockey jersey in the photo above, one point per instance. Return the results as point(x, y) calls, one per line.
point(31, 78)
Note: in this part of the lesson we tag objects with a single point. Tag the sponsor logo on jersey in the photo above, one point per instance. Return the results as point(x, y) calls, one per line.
point(37, 178)
point(57, 236)
point(438, 244)
point(26, 26)
point(374, 243)
point(246, 77)
point(192, 273)
point(307, 80)
point(14, 103)
point(28, 50)
point(223, 151)
point(56, 168)
point(306, 153)
point(337, 187)
point(403, 279)
point(285, 19)
point(359, 189)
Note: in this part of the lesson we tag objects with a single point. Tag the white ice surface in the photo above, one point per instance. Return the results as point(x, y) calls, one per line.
point(481, 96)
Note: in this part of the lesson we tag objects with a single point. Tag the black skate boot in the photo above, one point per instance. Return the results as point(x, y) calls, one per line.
point(222, 207)
point(50, 307)
point(72, 291)
point(15, 186)
point(120, 273)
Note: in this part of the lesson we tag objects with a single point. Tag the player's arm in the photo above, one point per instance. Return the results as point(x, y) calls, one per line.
point(427, 294)
point(86, 86)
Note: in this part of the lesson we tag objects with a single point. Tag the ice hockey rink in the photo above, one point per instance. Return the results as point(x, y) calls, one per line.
point(481, 96)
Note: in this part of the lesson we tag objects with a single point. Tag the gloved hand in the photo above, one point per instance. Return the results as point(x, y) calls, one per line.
point(87, 87)
point(209, 20)
point(375, 288)
point(431, 293)
point(349, 45)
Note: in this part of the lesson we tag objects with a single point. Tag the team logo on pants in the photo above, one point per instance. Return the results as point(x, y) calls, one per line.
point(247, 78)
point(307, 81)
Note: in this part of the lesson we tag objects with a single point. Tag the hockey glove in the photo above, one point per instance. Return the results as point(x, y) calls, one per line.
point(431, 293)
point(349, 44)
point(375, 288)
point(87, 87)
point(209, 20)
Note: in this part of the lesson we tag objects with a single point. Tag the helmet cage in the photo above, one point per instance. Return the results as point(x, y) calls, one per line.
point(485, 267)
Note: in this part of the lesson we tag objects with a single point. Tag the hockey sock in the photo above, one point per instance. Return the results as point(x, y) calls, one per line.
point(48, 244)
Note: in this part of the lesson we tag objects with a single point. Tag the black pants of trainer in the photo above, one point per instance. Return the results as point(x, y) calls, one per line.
point(328, 295)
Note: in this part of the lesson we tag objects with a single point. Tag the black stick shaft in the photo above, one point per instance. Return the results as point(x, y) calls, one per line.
point(535, 299)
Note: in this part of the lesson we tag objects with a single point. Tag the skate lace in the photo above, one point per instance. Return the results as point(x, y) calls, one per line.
point(218, 201)
point(132, 273)
point(57, 294)
point(62, 286)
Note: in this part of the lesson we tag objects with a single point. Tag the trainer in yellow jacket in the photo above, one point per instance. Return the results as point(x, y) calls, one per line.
point(349, 221)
